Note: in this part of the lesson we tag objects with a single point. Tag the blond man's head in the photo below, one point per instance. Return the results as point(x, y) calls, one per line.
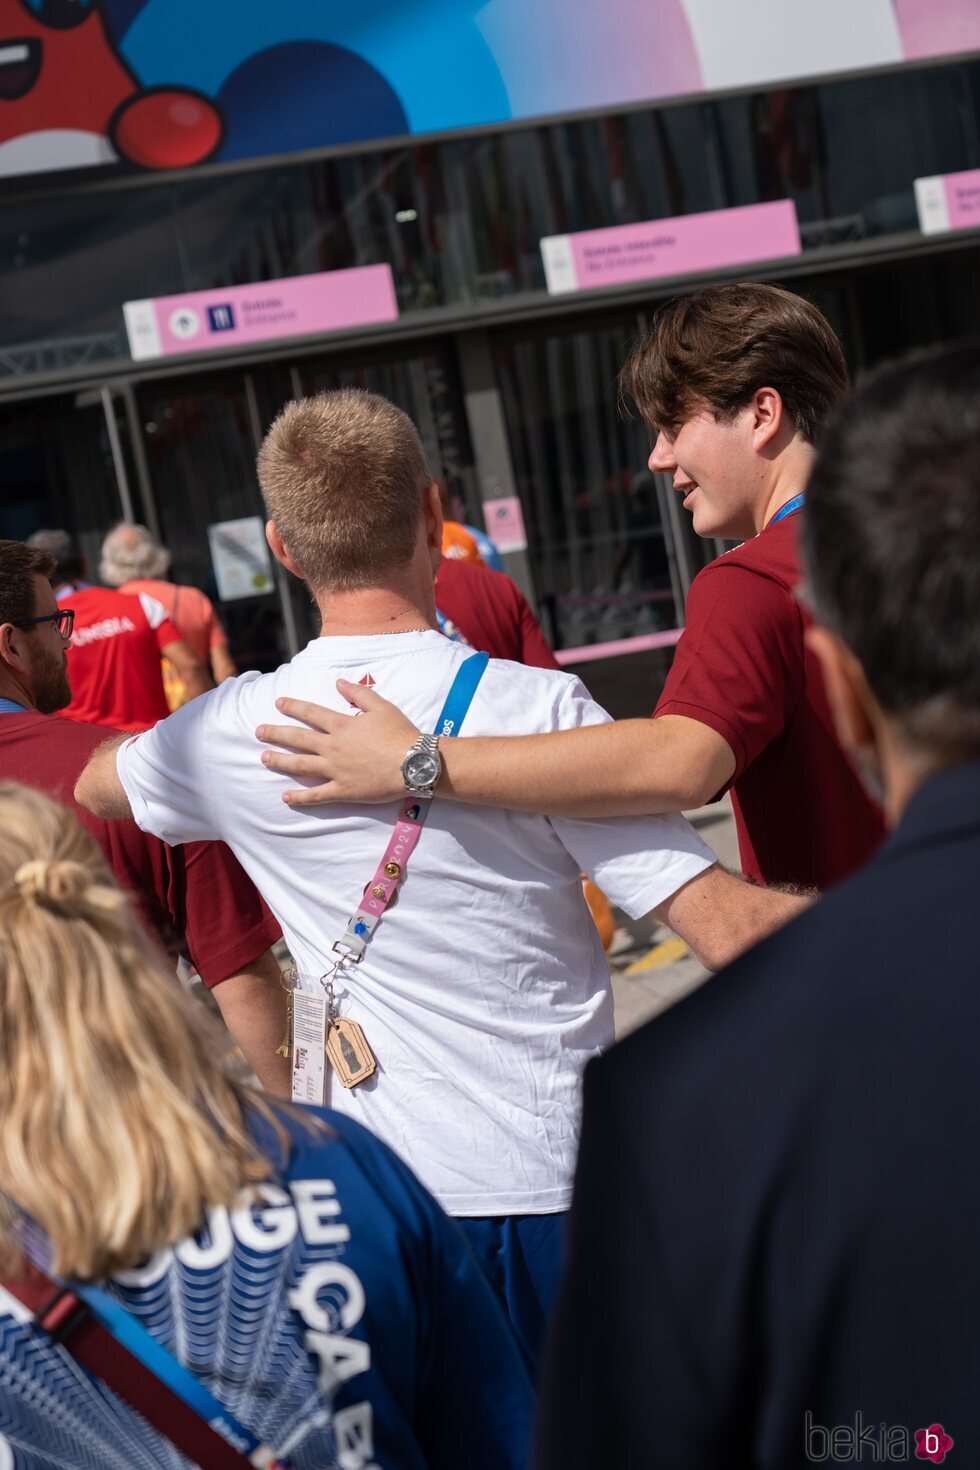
point(344, 476)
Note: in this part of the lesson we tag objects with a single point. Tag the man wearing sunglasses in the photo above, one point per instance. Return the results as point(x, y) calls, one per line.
point(194, 900)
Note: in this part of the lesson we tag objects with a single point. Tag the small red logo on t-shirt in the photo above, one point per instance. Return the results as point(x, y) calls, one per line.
point(368, 683)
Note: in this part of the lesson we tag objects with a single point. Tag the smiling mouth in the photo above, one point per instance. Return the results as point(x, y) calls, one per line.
point(20, 63)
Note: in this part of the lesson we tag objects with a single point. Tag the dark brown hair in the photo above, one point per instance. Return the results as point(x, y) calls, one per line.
point(18, 565)
point(718, 346)
point(891, 543)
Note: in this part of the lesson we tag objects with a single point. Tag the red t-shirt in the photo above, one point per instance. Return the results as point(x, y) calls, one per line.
point(742, 669)
point(114, 659)
point(195, 898)
point(492, 613)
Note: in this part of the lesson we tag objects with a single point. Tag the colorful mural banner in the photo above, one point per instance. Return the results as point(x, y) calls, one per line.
point(948, 202)
point(163, 84)
point(236, 316)
point(670, 247)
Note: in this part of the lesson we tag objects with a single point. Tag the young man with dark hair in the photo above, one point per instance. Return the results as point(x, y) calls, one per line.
point(736, 382)
point(792, 1276)
point(193, 900)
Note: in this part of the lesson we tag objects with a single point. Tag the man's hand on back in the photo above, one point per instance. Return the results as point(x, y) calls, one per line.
point(626, 768)
point(357, 757)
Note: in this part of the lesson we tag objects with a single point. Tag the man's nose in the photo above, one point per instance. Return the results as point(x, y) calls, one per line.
point(662, 455)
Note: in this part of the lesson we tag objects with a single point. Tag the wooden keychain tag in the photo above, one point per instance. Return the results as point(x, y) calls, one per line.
point(348, 1052)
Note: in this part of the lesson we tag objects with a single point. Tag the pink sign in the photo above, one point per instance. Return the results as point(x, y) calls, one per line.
point(687, 244)
point(236, 316)
point(949, 202)
point(504, 520)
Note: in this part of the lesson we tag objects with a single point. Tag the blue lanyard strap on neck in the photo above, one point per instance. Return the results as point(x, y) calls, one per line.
point(786, 510)
point(11, 707)
point(458, 699)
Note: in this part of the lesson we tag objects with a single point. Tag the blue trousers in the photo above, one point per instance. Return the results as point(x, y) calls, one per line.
point(521, 1257)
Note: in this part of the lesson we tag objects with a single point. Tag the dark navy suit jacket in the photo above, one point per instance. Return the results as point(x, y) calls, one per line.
point(776, 1227)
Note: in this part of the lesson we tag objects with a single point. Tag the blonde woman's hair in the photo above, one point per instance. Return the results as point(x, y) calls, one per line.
point(343, 476)
point(117, 1129)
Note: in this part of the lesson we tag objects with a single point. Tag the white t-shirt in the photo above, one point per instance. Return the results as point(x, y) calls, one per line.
point(485, 989)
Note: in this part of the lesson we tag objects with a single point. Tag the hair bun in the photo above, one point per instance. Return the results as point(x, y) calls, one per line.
point(56, 885)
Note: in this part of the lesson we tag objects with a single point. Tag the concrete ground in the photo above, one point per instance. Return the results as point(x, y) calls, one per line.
point(650, 968)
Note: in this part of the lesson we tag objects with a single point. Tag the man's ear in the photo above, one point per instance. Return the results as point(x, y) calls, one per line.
point(852, 704)
point(768, 416)
point(279, 551)
point(432, 514)
point(12, 646)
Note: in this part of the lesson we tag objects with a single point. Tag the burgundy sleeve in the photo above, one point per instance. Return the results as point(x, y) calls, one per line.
point(738, 667)
point(219, 911)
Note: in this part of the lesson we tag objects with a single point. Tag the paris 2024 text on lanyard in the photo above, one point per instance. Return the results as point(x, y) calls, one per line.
point(318, 1034)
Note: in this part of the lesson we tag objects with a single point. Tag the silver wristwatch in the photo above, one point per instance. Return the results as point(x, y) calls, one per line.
point(422, 767)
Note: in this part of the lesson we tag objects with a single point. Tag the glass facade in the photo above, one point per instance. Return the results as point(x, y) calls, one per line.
point(460, 220)
point(523, 403)
point(600, 553)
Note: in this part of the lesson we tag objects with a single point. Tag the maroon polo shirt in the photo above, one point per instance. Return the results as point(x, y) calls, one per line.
point(741, 668)
point(492, 613)
point(194, 898)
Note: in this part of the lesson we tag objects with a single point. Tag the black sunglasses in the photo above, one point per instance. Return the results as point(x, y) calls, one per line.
point(64, 617)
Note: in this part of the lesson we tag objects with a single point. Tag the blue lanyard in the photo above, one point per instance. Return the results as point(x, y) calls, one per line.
point(460, 696)
point(125, 1328)
point(786, 510)
point(449, 629)
point(11, 707)
point(143, 1346)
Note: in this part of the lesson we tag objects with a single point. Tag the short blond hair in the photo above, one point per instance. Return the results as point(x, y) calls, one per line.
point(117, 1128)
point(343, 476)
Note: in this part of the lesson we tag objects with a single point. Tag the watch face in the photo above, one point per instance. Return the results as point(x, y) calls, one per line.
point(422, 769)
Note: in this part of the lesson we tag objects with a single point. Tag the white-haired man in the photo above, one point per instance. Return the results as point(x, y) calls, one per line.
point(485, 991)
point(134, 561)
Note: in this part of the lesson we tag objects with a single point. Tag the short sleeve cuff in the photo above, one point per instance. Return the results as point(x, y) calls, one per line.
point(647, 896)
point(232, 958)
point(714, 721)
point(137, 802)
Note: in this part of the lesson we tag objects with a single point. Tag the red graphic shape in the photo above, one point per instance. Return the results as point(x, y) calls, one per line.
point(166, 127)
point(72, 79)
point(368, 681)
point(932, 1444)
